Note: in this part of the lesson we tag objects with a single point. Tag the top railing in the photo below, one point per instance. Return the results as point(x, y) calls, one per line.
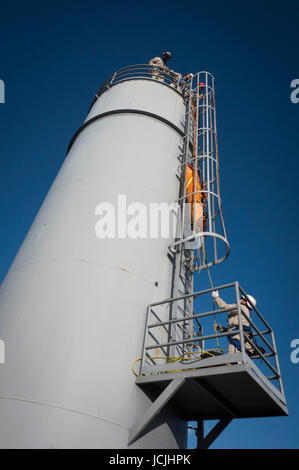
point(141, 71)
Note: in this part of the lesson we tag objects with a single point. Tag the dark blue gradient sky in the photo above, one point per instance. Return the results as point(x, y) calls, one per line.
point(53, 57)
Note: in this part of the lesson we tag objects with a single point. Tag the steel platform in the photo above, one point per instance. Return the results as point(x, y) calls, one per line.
point(224, 392)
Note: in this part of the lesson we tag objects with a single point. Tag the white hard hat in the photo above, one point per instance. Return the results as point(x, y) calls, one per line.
point(252, 300)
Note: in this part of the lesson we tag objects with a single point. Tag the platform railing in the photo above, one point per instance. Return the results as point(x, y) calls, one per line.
point(141, 71)
point(167, 348)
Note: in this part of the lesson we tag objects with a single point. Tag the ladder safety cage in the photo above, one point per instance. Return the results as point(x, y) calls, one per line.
point(200, 155)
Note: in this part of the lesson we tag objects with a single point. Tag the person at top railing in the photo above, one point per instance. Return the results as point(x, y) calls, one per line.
point(160, 66)
point(233, 323)
point(160, 70)
point(166, 56)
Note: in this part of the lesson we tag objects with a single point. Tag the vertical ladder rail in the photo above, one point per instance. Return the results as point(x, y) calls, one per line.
point(201, 125)
point(179, 252)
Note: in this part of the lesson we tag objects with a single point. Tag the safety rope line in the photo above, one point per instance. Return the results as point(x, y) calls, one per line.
point(211, 282)
point(217, 167)
point(210, 352)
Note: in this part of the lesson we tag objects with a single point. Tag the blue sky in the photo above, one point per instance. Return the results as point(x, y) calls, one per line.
point(53, 57)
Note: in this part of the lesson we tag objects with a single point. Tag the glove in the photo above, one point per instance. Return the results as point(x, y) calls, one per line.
point(215, 294)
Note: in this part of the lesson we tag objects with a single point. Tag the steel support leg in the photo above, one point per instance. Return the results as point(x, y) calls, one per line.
point(205, 442)
point(154, 409)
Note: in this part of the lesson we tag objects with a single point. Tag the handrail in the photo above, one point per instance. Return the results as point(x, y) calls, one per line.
point(192, 317)
point(141, 71)
point(181, 342)
point(193, 339)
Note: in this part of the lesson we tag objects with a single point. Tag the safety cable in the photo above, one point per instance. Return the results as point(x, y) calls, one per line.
point(210, 352)
point(217, 167)
point(211, 282)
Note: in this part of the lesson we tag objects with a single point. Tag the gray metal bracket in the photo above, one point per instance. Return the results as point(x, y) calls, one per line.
point(205, 442)
point(154, 409)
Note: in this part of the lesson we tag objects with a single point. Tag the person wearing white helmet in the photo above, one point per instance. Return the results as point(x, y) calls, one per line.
point(233, 323)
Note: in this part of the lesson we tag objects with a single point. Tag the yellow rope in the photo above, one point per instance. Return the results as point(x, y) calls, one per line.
point(174, 359)
point(211, 282)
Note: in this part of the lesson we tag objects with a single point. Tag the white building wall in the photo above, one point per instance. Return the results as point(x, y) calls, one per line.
point(72, 307)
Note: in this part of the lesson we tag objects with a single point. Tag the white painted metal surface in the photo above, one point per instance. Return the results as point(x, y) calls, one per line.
point(147, 95)
point(72, 307)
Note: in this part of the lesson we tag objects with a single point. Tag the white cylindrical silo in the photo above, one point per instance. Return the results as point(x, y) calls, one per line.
point(72, 306)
